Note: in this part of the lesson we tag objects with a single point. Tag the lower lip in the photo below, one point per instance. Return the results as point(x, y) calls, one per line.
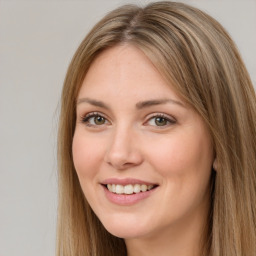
point(127, 199)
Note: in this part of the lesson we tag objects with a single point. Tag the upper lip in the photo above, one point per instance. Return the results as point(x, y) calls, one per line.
point(126, 181)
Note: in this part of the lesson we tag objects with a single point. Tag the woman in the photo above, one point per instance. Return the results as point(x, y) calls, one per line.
point(157, 139)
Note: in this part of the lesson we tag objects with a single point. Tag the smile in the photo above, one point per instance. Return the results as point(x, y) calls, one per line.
point(128, 191)
point(129, 188)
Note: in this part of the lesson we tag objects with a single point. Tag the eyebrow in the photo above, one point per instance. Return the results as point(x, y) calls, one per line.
point(154, 102)
point(139, 105)
point(93, 102)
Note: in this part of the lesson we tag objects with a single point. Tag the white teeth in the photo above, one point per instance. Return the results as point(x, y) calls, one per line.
point(128, 189)
point(119, 189)
point(136, 188)
point(143, 188)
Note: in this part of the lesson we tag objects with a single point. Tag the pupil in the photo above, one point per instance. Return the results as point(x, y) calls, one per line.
point(99, 120)
point(160, 121)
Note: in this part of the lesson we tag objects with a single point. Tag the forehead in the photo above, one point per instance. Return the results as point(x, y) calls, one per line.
point(124, 70)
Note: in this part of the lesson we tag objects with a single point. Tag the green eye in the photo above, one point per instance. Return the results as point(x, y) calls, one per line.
point(94, 119)
point(99, 120)
point(161, 121)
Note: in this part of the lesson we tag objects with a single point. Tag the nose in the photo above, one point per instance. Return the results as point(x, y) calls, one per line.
point(123, 151)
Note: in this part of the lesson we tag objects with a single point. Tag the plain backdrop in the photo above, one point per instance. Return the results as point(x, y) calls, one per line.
point(37, 41)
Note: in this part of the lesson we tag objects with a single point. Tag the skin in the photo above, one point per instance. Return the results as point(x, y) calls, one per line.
point(176, 155)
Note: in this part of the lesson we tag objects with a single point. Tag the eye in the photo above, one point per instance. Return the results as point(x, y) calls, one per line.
point(94, 119)
point(160, 120)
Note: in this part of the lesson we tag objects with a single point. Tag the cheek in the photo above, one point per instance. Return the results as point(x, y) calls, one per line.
point(182, 153)
point(86, 154)
point(184, 161)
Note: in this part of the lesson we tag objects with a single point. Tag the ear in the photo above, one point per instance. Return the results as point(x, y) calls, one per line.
point(215, 165)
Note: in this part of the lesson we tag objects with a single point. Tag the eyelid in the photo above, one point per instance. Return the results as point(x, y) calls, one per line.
point(84, 118)
point(169, 118)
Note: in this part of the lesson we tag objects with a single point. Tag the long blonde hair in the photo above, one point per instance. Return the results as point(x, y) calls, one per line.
point(197, 56)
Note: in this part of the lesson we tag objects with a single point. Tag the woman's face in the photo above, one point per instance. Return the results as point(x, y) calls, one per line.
point(143, 157)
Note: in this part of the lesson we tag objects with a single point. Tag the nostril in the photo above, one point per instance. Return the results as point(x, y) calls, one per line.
point(121, 162)
point(123, 152)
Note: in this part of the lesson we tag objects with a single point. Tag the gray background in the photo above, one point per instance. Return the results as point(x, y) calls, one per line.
point(37, 41)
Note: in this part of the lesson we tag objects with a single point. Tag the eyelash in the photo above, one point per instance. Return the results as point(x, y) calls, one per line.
point(85, 119)
point(169, 120)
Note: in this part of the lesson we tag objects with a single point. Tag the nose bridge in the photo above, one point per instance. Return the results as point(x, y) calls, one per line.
point(120, 137)
point(123, 150)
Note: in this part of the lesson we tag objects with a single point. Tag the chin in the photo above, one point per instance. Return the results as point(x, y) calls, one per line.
point(126, 233)
point(126, 229)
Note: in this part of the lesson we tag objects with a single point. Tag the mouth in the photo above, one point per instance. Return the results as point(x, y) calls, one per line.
point(129, 189)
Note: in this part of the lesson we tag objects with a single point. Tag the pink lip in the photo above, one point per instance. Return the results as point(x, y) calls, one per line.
point(126, 200)
point(126, 181)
